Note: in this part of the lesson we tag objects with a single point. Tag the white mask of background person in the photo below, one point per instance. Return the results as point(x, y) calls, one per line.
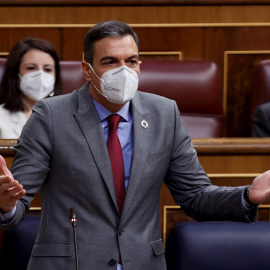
point(35, 61)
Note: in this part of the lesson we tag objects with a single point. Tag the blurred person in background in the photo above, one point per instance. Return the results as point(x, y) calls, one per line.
point(31, 73)
point(261, 121)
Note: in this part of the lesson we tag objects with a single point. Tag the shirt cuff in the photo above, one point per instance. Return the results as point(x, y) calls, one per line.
point(4, 217)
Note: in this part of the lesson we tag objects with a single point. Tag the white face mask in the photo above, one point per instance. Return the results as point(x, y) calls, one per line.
point(37, 84)
point(118, 85)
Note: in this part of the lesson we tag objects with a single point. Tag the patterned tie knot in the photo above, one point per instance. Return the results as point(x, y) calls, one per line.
point(114, 120)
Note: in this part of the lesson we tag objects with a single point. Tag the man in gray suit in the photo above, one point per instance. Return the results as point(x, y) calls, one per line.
point(63, 153)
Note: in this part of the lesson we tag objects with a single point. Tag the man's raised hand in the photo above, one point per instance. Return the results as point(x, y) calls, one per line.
point(10, 190)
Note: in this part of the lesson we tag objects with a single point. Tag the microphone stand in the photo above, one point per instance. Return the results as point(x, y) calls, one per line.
point(73, 220)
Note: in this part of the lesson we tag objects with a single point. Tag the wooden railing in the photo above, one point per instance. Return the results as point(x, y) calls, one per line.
point(131, 2)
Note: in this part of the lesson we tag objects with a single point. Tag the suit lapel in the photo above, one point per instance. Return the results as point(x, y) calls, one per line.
point(89, 122)
point(141, 141)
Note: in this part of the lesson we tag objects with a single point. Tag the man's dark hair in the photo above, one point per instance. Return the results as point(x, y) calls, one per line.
point(10, 93)
point(113, 29)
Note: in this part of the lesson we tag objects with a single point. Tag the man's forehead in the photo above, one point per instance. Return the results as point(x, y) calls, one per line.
point(116, 47)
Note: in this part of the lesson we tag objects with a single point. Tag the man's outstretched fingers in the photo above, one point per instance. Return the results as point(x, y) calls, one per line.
point(3, 167)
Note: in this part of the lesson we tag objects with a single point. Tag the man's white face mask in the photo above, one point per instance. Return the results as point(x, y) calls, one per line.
point(37, 85)
point(118, 85)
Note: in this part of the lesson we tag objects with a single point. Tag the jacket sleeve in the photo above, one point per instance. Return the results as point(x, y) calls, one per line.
point(32, 160)
point(192, 189)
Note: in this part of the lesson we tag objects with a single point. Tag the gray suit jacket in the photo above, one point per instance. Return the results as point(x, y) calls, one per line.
point(62, 152)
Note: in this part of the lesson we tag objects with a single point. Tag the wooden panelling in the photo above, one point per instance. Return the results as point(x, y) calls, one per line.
point(241, 44)
point(232, 179)
point(187, 40)
point(152, 39)
point(134, 14)
point(6, 150)
point(162, 55)
point(218, 40)
point(131, 2)
point(234, 156)
point(73, 43)
point(238, 77)
point(9, 36)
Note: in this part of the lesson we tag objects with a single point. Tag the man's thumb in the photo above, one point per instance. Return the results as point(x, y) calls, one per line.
point(3, 167)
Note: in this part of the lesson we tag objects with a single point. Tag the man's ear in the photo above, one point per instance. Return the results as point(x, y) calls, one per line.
point(86, 71)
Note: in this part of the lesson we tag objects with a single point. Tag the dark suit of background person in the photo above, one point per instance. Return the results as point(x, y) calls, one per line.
point(261, 121)
point(63, 153)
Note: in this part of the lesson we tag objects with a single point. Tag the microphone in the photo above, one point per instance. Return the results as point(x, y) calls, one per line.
point(73, 220)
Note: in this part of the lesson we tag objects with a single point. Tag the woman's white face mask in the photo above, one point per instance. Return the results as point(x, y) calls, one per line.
point(37, 85)
point(118, 85)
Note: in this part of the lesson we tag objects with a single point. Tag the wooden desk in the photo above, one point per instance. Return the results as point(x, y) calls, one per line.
point(227, 161)
point(6, 150)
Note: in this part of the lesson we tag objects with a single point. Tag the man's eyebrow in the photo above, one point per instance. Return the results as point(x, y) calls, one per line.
point(133, 56)
point(106, 58)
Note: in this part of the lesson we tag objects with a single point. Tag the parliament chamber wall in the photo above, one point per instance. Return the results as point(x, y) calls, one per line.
point(233, 34)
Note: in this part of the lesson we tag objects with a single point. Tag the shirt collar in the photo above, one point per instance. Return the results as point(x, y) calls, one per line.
point(104, 113)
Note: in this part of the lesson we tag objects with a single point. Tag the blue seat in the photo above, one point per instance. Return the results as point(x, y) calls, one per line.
point(18, 243)
point(219, 246)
